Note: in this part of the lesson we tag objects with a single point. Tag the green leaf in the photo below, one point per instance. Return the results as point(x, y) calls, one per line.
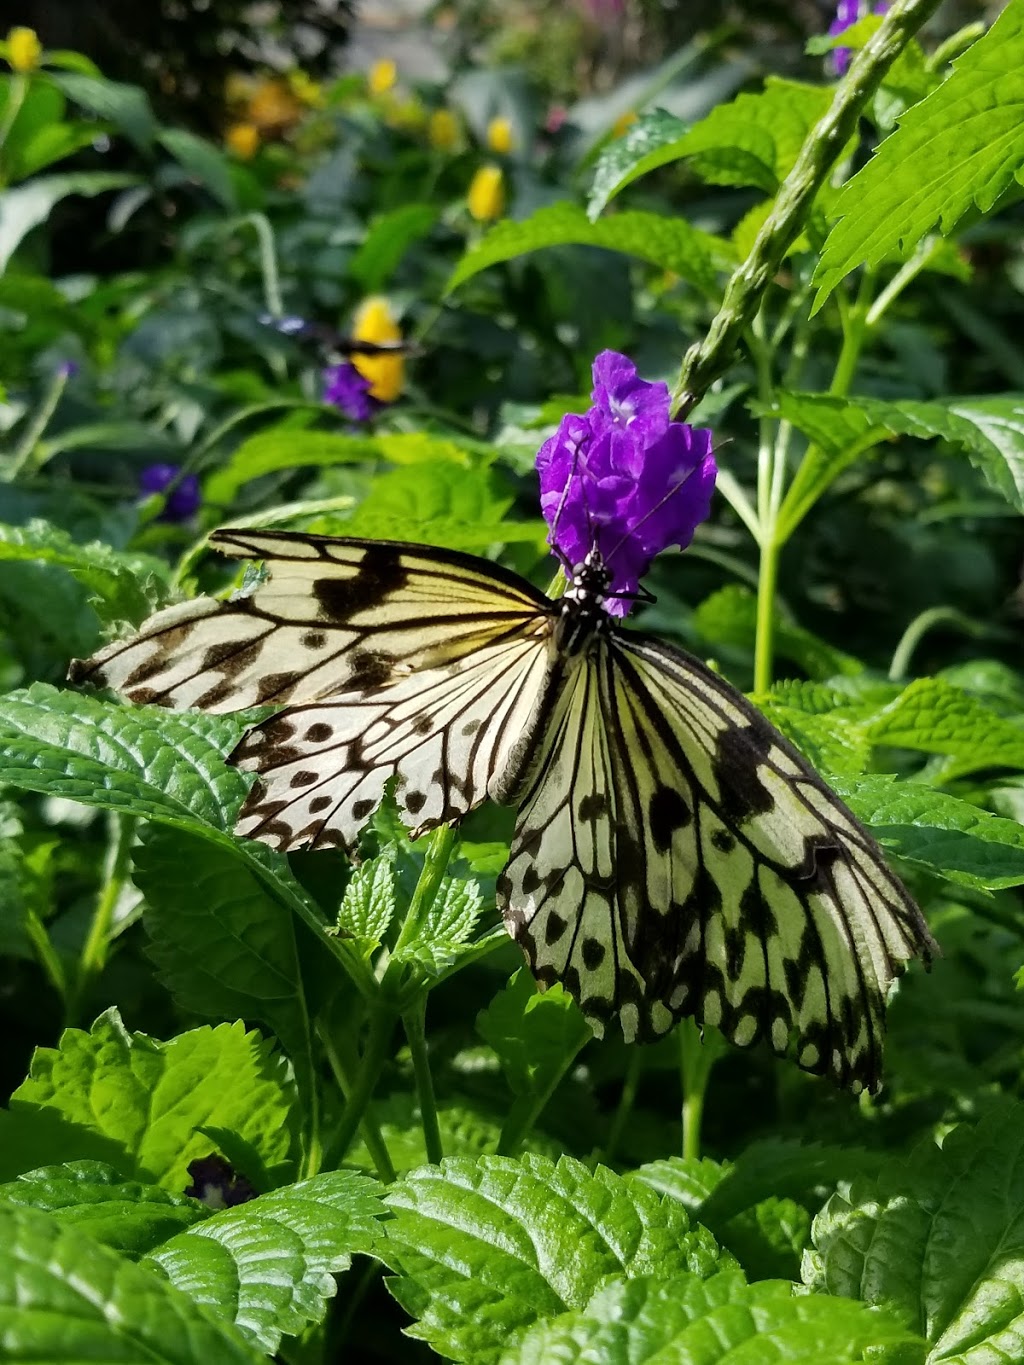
point(126, 1215)
point(990, 431)
point(669, 243)
point(689, 1180)
point(960, 147)
point(220, 939)
point(46, 145)
point(939, 1239)
point(647, 144)
point(933, 717)
point(370, 900)
point(719, 1319)
point(284, 447)
point(124, 586)
point(268, 1266)
point(388, 238)
point(126, 106)
point(729, 617)
point(65, 1298)
point(136, 760)
point(961, 843)
point(26, 206)
point(138, 1104)
point(203, 162)
point(450, 920)
point(486, 1248)
point(535, 1033)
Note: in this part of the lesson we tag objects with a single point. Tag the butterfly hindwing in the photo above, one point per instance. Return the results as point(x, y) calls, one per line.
point(746, 894)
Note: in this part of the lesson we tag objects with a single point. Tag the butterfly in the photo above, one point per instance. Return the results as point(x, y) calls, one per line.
point(333, 342)
point(673, 853)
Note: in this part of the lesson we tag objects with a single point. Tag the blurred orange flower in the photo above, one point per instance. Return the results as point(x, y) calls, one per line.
point(242, 140)
point(374, 321)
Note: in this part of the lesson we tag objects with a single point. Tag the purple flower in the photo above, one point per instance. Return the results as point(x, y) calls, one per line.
point(847, 14)
point(624, 478)
point(349, 391)
point(183, 500)
point(67, 369)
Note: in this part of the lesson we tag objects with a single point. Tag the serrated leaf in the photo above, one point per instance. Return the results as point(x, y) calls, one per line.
point(268, 1266)
point(486, 1248)
point(669, 243)
point(65, 1298)
point(939, 1237)
point(960, 147)
point(137, 760)
point(535, 1033)
point(961, 843)
point(729, 617)
point(370, 899)
point(388, 238)
point(218, 934)
point(450, 920)
point(933, 717)
point(127, 586)
point(138, 1104)
point(721, 1320)
point(688, 1180)
point(990, 431)
point(644, 146)
point(130, 1216)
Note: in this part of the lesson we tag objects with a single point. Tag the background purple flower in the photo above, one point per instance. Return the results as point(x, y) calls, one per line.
point(847, 14)
point(183, 501)
point(623, 477)
point(349, 391)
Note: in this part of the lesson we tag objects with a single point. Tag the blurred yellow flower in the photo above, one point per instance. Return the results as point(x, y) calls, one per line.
point(382, 76)
point(623, 122)
point(407, 114)
point(486, 197)
point(374, 321)
point(273, 107)
point(243, 140)
point(23, 49)
point(443, 130)
point(500, 136)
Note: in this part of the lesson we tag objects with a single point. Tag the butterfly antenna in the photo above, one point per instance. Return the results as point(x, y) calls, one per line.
point(563, 559)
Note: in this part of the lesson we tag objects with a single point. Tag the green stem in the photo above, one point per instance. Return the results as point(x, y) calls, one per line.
point(414, 1023)
point(260, 224)
point(46, 953)
point(527, 1108)
point(767, 581)
point(435, 865)
point(371, 1064)
point(343, 1068)
point(627, 1100)
point(919, 628)
point(21, 459)
point(704, 362)
point(697, 1056)
point(93, 957)
point(16, 92)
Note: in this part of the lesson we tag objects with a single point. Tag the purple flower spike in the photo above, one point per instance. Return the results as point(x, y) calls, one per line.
point(349, 391)
point(183, 502)
point(847, 14)
point(624, 478)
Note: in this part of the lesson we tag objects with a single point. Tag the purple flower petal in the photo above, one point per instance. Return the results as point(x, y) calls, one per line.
point(847, 14)
point(624, 478)
point(183, 501)
point(349, 391)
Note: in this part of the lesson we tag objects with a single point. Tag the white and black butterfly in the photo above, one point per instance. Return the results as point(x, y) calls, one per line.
point(673, 855)
point(333, 343)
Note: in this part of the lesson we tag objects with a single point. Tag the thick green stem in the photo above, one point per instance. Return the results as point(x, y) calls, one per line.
point(704, 362)
point(414, 1023)
point(371, 1064)
point(764, 645)
point(435, 865)
point(697, 1055)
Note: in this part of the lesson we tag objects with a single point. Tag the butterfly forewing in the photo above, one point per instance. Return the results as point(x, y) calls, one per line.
point(334, 616)
point(745, 893)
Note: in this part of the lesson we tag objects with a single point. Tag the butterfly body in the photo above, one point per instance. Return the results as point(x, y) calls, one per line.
point(673, 854)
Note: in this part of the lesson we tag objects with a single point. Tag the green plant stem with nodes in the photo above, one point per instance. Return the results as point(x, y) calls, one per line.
point(711, 357)
point(741, 315)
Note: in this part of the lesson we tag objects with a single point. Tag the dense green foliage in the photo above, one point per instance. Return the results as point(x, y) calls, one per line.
point(361, 1043)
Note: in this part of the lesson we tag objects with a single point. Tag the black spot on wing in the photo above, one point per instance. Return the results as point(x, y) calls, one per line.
point(340, 597)
point(318, 733)
point(668, 813)
point(738, 756)
point(277, 686)
point(370, 668)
